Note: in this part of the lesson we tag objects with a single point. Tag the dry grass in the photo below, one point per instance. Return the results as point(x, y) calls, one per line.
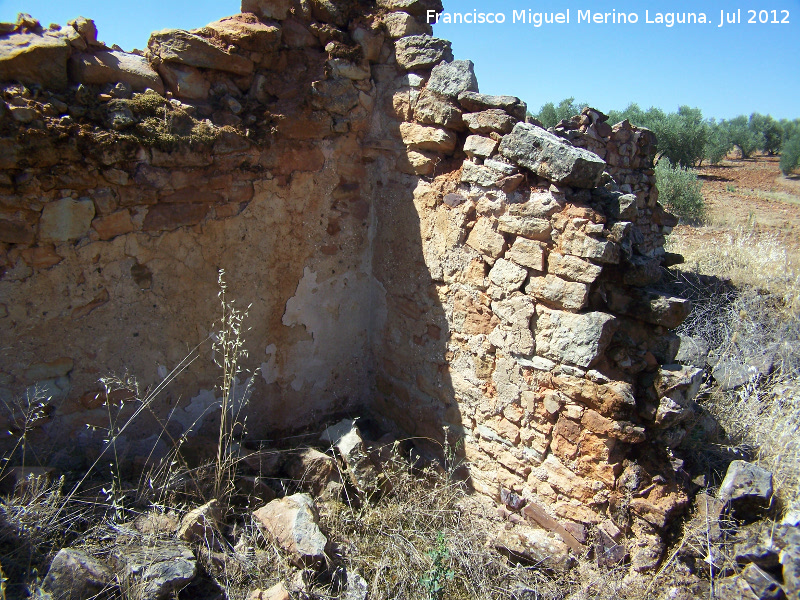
point(744, 256)
point(426, 539)
point(746, 293)
point(428, 530)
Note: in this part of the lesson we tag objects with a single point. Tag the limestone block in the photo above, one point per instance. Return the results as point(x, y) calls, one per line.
point(417, 163)
point(296, 35)
point(110, 226)
point(609, 399)
point(514, 340)
point(184, 81)
point(480, 174)
point(747, 487)
point(35, 59)
point(566, 482)
point(65, 220)
point(731, 373)
point(507, 379)
point(535, 546)
point(176, 45)
point(338, 96)
point(276, 592)
point(679, 383)
point(112, 66)
point(529, 227)
point(157, 571)
point(418, 8)
point(294, 524)
point(267, 9)
point(528, 253)
point(488, 121)
point(245, 31)
point(304, 126)
point(472, 101)
point(501, 166)
point(541, 205)
point(421, 51)
point(507, 275)
point(403, 103)
point(330, 11)
point(163, 217)
point(371, 43)
point(569, 295)
point(424, 137)
point(573, 268)
point(86, 28)
point(41, 257)
point(401, 24)
point(515, 311)
point(486, 240)
point(313, 470)
point(199, 524)
point(478, 319)
point(345, 437)
point(552, 157)
point(434, 109)
point(621, 430)
point(74, 575)
point(450, 79)
point(480, 146)
point(578, 339)
point(577, 243)
point(650, 306)
point(349, 70)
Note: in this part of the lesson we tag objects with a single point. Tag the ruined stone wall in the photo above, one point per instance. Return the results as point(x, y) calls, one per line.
point(119, 208)
point(411, 247)
point(524, 338)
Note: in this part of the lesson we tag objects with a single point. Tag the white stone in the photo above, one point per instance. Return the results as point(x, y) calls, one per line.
point(480, 146)
point(507, 276)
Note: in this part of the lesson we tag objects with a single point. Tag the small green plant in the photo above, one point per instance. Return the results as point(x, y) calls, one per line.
point(435, 580)
point(790, 155)
point(730, 188)
point(149, 103)
point(680, 191)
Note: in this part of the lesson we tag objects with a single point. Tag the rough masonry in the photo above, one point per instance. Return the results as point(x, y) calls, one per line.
point(411, 248)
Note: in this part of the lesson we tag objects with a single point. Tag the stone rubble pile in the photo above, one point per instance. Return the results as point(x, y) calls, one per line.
point(156, 555)
point(735, 533)
point(157, 561)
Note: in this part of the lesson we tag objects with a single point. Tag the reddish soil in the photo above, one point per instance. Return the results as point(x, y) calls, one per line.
point(752, 193)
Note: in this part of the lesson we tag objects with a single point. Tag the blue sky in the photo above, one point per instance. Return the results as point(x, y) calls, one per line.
point(725, 71)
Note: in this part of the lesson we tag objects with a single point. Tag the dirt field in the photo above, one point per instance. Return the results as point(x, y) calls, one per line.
point(753, 219)
point(753, 193)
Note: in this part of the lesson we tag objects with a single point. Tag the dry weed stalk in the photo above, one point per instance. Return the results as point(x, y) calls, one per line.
point(228, 353)
point(26, 413)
